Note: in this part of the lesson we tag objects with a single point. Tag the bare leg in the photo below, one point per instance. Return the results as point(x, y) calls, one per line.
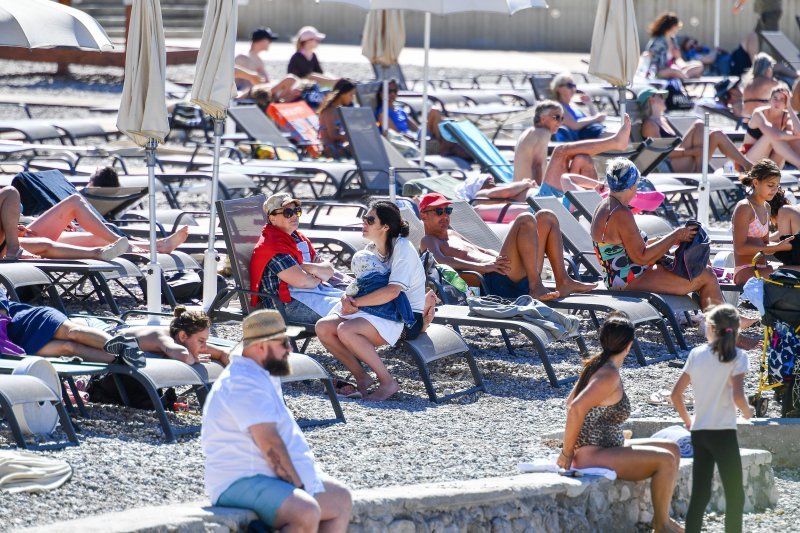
point(49, 249)
point(552, 244)
point(524, 251)
point(434, 118)
point(327, 331)
point(56, 219)
point(75, 340)
point(430, 310)
point(361, 338)
point(163, 246)
point(583, 165)
point(716, 141)
point(9, 219)
point(299, 512)
point(335, 505)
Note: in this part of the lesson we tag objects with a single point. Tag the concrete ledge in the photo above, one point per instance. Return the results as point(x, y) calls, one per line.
point(538, 502)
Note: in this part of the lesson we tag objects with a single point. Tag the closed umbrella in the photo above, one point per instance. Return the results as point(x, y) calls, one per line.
point(213, 90)
point(615, 45)
point(384, 38)
point(48, 24)
point(441, 7)
point(143, 113)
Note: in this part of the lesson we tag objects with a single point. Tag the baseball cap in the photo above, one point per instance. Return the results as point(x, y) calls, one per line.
point(647, 93)
point(433, 199)
point(307, 33)
point(278, 200)
point(264, 33)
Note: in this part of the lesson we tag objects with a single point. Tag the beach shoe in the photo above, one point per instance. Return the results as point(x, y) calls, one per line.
point(345, 389)
point(127, 351)
point(663, 397)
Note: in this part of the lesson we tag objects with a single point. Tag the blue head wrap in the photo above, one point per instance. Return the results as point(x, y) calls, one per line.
point(620, 179)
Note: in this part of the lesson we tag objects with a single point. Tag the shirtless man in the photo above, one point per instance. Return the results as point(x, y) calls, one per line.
point(249, 68)
point(186, 338)
point(516, 269)
point(571, 166)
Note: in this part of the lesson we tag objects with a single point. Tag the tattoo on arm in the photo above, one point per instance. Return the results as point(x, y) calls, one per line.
point(280, 470)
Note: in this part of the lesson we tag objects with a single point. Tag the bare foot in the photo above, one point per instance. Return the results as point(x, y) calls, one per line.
point(14, 253)
point(543, 294)
point(748, 343)
point(384, 391)
point(364, 384)
point(574, 286)
point(169, 244)
point(745, 323)
point(623, 136)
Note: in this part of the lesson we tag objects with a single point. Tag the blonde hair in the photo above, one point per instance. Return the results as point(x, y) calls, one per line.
point(560, 80)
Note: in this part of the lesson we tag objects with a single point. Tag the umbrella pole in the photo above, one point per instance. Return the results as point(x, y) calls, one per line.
point(423, 128)
point(153, 272)
point(385, 110)
point(716, 25)
point(210, 259)
point(621, 102)
point(704, 191)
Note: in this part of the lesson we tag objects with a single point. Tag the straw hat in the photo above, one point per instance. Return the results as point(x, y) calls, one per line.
point(265, 325)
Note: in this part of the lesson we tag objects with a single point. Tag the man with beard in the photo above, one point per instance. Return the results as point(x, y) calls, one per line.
point(256, 456)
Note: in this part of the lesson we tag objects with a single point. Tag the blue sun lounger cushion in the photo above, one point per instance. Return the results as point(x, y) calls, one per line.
point(480, 148)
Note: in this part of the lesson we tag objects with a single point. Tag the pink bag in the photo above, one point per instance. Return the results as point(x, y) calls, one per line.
point(6, 346)
point(643, 201)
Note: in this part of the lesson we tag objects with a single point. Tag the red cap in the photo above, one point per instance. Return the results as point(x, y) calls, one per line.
point(433, 199)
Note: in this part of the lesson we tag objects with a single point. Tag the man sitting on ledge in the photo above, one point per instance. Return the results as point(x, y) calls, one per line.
point(256, 456)
point(516, 269)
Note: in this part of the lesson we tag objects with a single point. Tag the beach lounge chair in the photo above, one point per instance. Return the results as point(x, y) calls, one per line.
point(112, 202)
point(18, 391)
point(465, 221)
point(481, 149)
point(261, 130)
point(578, 242)
point(301, 123)
point(586, 203)
point(242, 221)
point(785, 50)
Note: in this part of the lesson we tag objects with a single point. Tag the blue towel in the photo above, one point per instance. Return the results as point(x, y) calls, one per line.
point(680, 436)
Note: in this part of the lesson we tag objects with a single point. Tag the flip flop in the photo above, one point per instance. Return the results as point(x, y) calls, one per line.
point(662, 398)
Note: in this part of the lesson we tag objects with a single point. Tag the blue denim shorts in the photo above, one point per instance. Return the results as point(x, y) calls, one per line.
point(299, 312)
point(261, 494)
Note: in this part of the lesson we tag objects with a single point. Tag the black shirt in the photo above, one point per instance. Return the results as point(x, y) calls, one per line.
point(301, 67)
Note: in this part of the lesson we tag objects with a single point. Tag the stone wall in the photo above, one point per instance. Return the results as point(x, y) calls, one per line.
point(527, 502)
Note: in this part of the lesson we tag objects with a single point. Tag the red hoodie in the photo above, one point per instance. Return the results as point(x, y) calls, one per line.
point(272, 242)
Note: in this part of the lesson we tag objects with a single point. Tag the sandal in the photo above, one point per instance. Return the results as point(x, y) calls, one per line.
point(662, 398)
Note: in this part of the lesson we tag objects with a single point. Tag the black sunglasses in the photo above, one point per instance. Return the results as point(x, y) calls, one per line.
point(285, 342)
point(369, 219)
point(441, 210)
point(570, 85)
point(558, 118)
point(289, 212)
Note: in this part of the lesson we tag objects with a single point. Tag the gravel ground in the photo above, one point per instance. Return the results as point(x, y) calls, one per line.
point(121, 462)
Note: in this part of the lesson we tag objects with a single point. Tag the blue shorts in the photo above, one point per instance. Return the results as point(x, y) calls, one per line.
point(501, 285)
point(31, 327)
point(548, 190)
point(261, 494)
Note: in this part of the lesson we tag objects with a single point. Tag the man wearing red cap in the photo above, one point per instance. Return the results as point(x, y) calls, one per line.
point(516, 269)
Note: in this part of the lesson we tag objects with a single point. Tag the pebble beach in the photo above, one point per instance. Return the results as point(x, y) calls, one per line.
point(122, 462)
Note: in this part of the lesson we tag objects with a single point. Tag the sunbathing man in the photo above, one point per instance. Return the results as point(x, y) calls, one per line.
point(571, 166)
point(516, 269)
point(186, 338)
point(249, 68)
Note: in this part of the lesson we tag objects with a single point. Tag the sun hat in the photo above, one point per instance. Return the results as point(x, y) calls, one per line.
point(306, 33)
point(278, 200)
point(723, 87)
point(433, 199)
point(264, 33)
point(621, 177)
point(265, 325)
point(647, 93)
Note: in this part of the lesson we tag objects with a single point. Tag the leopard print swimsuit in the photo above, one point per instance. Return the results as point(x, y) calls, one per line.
point(603, 425)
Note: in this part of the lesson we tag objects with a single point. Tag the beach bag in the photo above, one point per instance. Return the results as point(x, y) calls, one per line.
point(103, 389)
point(677, 99)
point(791, 257)
point(300, 122)
point(691, 258)
point(784, 343)
point(453, 287)
point(188, 285)
point(6, 346)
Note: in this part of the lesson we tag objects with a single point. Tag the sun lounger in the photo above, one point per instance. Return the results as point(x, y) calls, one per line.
point(578, 242)
point(261, 130)
point(784, 48)
point(111, 202)
point(586, 203)
point(242, 221)
point(301, 123)
point(481, 149)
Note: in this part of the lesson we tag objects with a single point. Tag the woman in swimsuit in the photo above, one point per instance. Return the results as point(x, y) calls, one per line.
point(688, 156)
point(751, 221)
point(578, 124)
point(331, 130)
point(596, 409)
point(759, 83)
point(774, 131)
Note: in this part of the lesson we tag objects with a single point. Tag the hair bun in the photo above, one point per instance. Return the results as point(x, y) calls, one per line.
point(404, 228)
point(179, 310)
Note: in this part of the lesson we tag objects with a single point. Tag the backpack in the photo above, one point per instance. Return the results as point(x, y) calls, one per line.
point(677, 97)
point(103, 389)
point(691, 258)
point(451, 287)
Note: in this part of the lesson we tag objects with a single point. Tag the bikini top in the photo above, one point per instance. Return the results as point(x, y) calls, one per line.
point(756, 228)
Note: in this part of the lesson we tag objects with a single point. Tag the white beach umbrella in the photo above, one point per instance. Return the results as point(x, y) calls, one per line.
point(143, 112)
point(615, 45)
point(383, 40)
point(48, 24)
point(213, 90)
point(441, 7)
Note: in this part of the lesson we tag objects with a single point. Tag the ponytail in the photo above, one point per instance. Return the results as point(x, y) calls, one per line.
point(616, 333)
point(724, 318)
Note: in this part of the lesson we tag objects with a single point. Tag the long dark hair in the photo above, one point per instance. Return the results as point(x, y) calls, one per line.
point(190, 322)
point(778, 201)
point(388, 213)
point(725, 320)
point(761, 170)
point(341, 87)
point(662, 23)
point(615, 334)
point(379, 94)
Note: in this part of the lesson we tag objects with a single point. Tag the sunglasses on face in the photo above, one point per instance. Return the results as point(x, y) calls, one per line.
point(289, 212)
point(441, 211)
point(570, 85)
point(392, 91)
point(557, 118)
point(369, 219)
point(284, 342)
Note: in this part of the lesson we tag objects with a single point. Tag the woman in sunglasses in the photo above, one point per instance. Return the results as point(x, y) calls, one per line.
point(285, 266)
point(390, 305)
point(578, 125)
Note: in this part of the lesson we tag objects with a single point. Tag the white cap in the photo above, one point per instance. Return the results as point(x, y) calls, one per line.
point(307, 33)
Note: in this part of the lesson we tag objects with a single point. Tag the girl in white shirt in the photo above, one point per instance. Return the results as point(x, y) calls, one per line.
point(716, 371)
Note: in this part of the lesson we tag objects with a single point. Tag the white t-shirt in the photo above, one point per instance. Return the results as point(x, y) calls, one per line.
point(245, 395)
point(407, 272)
point(713, 392)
